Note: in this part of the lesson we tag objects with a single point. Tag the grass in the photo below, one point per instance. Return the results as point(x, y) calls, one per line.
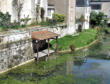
point(84, 38)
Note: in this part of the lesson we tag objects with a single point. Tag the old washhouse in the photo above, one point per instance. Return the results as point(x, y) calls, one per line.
point(40, 38)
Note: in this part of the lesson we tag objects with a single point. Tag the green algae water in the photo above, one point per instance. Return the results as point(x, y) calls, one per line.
point(88, 66)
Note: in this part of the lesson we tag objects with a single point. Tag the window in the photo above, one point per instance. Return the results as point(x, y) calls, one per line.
point(105, 16)
point(49, 12)
point(38, 1)
point(96, 6)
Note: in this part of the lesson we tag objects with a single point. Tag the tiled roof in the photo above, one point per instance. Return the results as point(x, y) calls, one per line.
point(43, 35)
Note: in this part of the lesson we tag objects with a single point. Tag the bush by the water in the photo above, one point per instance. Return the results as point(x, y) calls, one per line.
point(73, 47)
point(98, 19)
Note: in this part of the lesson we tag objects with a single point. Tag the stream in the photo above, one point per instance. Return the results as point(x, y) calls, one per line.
point(92, 68)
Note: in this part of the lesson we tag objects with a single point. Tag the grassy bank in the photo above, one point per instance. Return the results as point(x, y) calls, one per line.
point(83, 39)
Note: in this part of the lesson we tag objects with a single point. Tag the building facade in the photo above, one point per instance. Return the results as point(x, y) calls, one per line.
point(66, 7)
point(83, 9)
point(25, 8)
point(58, 6)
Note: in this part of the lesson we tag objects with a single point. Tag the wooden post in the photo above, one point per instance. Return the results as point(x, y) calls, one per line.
point(48, 47)
point(56, 44)
point(37, 50)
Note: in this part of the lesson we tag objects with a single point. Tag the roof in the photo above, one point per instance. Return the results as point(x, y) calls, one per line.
point(43, 35)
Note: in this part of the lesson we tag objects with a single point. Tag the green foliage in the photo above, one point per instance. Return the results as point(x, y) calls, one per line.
point(48, 22)
point(25, 21)
point(72, 47)
point(59, 79)
point(38, 68)
point(5, 22)
point(84, 38)
point(97, 19)
point(13, 80)
point(59, 17)
point(107, 30)
point(81, 19)
point(71, 79)
point(100, 18)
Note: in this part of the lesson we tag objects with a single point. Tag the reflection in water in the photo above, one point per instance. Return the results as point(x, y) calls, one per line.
point(69, 66)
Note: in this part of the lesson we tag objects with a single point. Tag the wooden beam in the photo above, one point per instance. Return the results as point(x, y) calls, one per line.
point(48, 46)
point(38, 50)
point(56, 44)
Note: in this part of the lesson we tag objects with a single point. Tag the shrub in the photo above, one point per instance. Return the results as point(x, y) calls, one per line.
point(59, 17)
point(24, 21)
point(48, 22)
point(15, 25)
point(51, 22)
point(72, 47)
point(97, 19)
point(5, 21)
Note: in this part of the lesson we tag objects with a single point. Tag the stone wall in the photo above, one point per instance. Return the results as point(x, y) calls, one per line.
point(16, 48)
point(15, 52)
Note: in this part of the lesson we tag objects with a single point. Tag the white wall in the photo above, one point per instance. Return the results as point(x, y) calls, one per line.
point(44, 4)
point(28, 9)
point(71, 16)
point(6, 6)
point(85, 11)
point(50, 12)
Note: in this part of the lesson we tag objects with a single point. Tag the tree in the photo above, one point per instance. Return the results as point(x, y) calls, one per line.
point(18, 5)
point(97, 19)
point(100, 18)
point(42, 13)
point(93, 18)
